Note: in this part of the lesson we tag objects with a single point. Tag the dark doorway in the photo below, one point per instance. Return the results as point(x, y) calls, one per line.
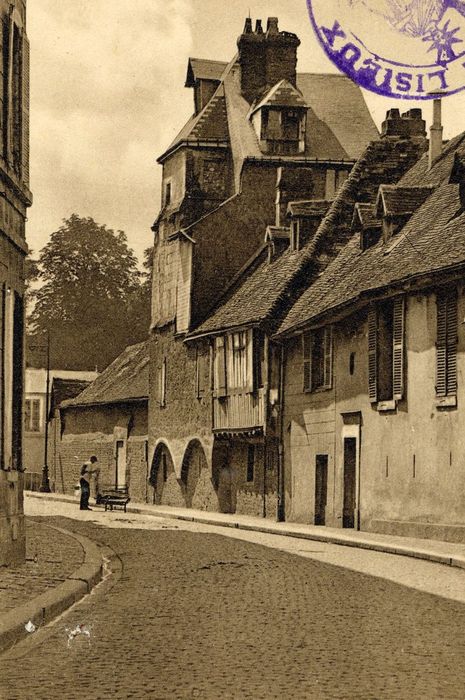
point(350, 465)
point(321, 488)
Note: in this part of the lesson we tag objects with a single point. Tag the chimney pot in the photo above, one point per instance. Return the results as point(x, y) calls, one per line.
point(272, 26)
point(248, 29)
point(436, 131)
point(258, 27)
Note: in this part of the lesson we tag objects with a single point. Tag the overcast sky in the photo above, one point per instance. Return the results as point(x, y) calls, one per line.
point(108, 96)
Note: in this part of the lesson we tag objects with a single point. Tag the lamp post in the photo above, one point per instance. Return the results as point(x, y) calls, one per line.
point(45, 486)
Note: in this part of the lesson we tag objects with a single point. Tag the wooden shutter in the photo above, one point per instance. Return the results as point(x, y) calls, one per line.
point(398, 332)
point(451, 342)
point(441, 345)
point(307, 360)
point(25, 109)
point(328, 357)
point(220, 361)
point(258, 342)
point(373, 355)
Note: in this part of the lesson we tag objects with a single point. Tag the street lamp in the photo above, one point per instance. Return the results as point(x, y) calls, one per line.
point(45, 486)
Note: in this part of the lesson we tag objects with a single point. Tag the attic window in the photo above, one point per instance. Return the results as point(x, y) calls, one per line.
point(290, 125)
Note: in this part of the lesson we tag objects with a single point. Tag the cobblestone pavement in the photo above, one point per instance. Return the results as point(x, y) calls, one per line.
point(199, 615)
point(50, 559)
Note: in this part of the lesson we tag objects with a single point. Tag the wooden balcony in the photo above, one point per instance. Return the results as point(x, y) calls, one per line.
point(239, 412)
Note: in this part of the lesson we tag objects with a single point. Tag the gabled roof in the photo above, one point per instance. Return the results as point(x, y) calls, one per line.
point(283, 94)
point(431, 243)
point(126, 379)
point(204, 69)
point(396, 200)
point(264, 291)
point(339, 124)
point(365, 217)
point(310, 209)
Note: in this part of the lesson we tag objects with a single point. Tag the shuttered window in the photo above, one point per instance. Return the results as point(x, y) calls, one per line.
point(386, 351)
point(373, 355)
point(318, 359)
point(398, 348)
point(446, 343)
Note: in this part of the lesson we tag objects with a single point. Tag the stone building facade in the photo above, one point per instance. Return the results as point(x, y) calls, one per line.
point(15, 198)
point(375, 363)
point(262, 136)
point(109, 420)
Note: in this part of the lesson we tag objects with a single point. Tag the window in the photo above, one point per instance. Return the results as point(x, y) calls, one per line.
point(238, 378)
point(167, 193)
point(317, 359)
point(250, 463)
point(202, 373)
point(32, 415)
point(446, 343)
point(291, 125)
point(162, 384)
point(386, 350)
point(220, 367)
point(238, 363)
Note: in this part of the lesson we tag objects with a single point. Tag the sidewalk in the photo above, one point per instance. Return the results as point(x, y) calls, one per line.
point(60, 569)
point(429, 550)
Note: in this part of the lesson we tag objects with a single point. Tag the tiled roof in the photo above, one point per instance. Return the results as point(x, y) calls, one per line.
point(65, 389)
point(126, 379)
point(397, 200)
point(365, 216)
point(263, 292)
point(432, 241)
point(283, 94)
point(203, 69)
point(311, 208)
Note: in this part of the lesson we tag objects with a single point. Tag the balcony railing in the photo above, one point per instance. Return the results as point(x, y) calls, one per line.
point(238, 412)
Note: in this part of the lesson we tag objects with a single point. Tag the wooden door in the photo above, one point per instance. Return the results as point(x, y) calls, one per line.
point(350, 481)
point(321, 488)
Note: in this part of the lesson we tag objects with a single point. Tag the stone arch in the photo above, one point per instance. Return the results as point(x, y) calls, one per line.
point(167, 490)
point(196, 478)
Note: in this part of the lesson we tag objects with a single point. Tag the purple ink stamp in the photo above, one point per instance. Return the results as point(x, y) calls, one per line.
point(408, 49)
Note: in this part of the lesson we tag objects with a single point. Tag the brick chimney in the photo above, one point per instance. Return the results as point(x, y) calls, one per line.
point(408, 125)
point(266, 58)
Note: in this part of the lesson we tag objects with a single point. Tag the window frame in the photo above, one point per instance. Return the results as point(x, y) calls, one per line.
point(29, 415)
point(446, 342)
point(308, 358)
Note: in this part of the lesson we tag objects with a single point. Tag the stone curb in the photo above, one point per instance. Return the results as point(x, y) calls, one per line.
point(359, 542)
point(54, 602)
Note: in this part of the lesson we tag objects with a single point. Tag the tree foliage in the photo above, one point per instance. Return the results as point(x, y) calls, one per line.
point(90, 295)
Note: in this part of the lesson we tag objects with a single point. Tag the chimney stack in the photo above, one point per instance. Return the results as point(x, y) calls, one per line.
point(265, 59)
point(436, 131)
point(408, 125)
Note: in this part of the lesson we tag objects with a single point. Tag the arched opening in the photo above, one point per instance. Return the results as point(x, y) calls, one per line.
point(166, 488)
point(197, 483)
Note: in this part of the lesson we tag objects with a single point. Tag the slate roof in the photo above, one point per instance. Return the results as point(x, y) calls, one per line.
point(262, 293)
point(126, 379)
point(65, 389)
point(339, 124)
point(432, 241)
point(204, 69)
point(397, 200)
point(283, 94)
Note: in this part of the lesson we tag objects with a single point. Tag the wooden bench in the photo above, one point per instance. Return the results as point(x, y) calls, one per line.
point(114, 498)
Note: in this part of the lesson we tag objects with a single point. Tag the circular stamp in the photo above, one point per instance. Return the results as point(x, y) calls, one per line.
point(407, 49)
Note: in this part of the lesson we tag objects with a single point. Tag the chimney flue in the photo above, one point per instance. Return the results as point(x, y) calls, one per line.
point(272, 26)
point(258, 27)
point(436, 131)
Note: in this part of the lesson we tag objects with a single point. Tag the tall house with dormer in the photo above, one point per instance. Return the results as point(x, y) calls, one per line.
point(262, 135)
point(15, 198)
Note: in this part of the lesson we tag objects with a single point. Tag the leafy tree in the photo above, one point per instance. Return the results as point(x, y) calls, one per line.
point(92, 299)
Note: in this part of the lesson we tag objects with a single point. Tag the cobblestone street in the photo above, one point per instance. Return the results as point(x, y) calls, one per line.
point(199, 615)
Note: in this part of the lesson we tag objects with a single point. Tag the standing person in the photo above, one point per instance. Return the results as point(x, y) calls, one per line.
point(86, 473)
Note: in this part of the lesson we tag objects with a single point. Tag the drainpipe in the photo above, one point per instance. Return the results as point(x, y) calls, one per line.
point(281, 514)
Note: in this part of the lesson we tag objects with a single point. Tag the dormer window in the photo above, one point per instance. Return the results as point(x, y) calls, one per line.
point(280, 120)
